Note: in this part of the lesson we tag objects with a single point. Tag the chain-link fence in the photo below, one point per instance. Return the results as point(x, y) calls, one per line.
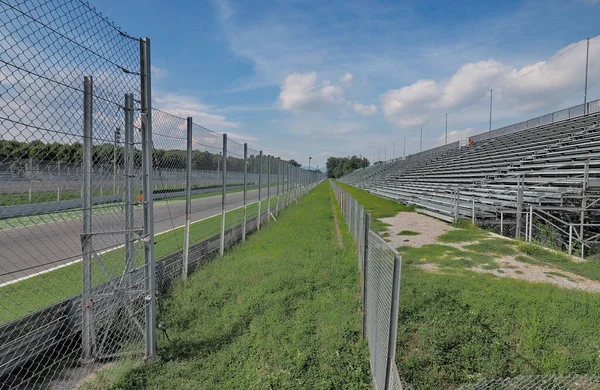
point(105, 201)
point(380, 267)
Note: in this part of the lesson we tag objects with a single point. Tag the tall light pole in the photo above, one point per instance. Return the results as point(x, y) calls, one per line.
point(587, 57)
point(446, 130)
point(309, 158)
point(394, 153)
point(404, 152)
point(421, 140)
point(491, 95)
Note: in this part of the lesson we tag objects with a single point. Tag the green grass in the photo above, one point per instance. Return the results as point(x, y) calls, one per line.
point(378, 207)
point(497, 246)
point(463, 235)
point(24, 297)
point(408, 233)
point(446, 257)
point(281, 311)
point(457, 328)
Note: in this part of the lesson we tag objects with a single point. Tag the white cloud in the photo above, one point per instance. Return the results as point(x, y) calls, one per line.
point(455, 135)
point(518, 92)
point(158, 73)
point(184, 106)
point(304, 92)
point(346, 78)
point(365, 109)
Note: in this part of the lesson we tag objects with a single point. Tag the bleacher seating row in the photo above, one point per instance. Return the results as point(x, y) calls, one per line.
point(551, 161)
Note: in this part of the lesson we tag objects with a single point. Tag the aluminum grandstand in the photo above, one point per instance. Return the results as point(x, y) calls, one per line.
point(540, 181)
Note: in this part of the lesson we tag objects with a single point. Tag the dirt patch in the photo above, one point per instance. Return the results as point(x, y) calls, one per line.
point(429, 228)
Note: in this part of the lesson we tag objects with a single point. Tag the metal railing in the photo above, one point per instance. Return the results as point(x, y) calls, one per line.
point(561, 115)
point(380, 267)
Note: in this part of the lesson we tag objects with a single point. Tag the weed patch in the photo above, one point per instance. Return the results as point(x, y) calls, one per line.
point(463, 235)
point(408, 233)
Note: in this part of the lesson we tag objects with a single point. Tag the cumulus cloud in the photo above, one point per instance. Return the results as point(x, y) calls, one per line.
point(304, 92)
point(184, 106)
point(365, 109)
point(158, 73)
point(540, 86)
point(346, 78)
point(455, 135)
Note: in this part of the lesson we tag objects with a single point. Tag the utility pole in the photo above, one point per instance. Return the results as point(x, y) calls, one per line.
point(446, 130)
point(587, 57)
point(491, 94)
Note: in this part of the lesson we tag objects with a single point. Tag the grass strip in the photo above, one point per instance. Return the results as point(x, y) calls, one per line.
point(378, 207)
point(40, 291)
point(278, 312)
point(457, 326)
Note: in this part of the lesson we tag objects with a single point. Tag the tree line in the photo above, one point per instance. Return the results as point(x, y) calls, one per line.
point(340, 166)
point(106, 155)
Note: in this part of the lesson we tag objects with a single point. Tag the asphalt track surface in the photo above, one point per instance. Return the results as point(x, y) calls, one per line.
point(29, 250)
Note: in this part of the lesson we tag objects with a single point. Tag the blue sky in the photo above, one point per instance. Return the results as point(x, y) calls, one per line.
point(322, 78)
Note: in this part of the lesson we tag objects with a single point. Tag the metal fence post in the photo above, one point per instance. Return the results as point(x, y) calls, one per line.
point(87, 330)
point(223, 196)
point(260, 156)
point(393, 328)
point(530, 222)
point(367, 228)
point(188, 199)
point(268, 186)
point(501, 223)
point(570, 239)
point(473, 211)
point(128, 201)
point(278, 177)
point(245, 191)
point(147, 173)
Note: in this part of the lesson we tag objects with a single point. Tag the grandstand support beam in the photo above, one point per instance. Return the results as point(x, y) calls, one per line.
point(244, 217)
point(519, 207)
point(570, 239)
point(586, 173)
point(501, 223)
point(473, 210)
point(188, 198)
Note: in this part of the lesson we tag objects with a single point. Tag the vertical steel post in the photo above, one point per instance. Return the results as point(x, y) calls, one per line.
point(278, 177)
point(117, 131)
point(128, 201)
point(223, 196)
point(527, 226)
point(530, 222)
point(260, 156)
point(87, 320)
point(501, 223)
point(586, 173)
point(147, 174)
point(188, 198)
point(519, 207)
point(245, 191)
point(570, 239)
point(393, 327)
point(365, 289)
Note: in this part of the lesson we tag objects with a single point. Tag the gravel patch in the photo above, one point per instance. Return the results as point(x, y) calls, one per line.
point(430, 229)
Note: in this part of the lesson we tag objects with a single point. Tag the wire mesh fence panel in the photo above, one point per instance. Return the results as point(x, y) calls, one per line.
point(538, 382)
point(47, 48)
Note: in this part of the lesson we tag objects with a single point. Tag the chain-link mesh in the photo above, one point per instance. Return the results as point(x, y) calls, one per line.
point(47, 48)
point(76, 280)
point(379, 264)
point(538, 382)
